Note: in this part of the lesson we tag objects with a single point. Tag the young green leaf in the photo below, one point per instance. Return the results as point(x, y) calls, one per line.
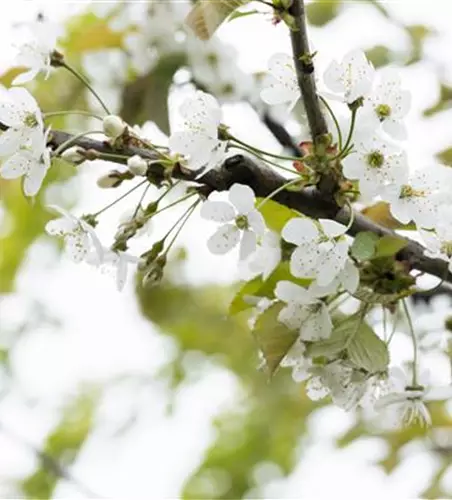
point(363, 247)
point(276, 215)
point(387, 246)
point(273, 337)
point(367, 351)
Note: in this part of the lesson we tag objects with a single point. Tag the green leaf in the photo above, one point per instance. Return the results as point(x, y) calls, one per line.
point(445, 157)
point(146, 98)
point(363, 247)
point(207, 16)
point(367, 351)
point(321, 12)
point(332, 346)
point(273, 337)
point(443, 103)
point(387, 246)
point(239, 302)
point(276, 215)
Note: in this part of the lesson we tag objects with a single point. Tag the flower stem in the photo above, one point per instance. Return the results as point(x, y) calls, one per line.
point(336, 123)
point(63, 146)
point(276, 191)
point(349, 137)
point(262, 152)
point(352, 215)
point(120, 198)
point(51, 114)
point(184, 219)
point(87, 85)
point(414, 341)
point(243, 148)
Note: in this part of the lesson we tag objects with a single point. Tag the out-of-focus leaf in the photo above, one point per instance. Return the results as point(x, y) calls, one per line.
point(273, 337)
point(445, 157)
point(366, 350)
point(207, 16)
point(443, 103)
point(418, 34)
point(61, 447)
point(321, 12)
point(364, 245)
point(379, 55)
point(276, 215)
point(239, 302)
point(380, 213)
point(387, 246)
point(146, 98)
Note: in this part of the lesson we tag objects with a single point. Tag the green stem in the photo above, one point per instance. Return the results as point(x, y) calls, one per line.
point(262, 152)
point(414, 341)
point(87, 85)
point(243, 148)
point(74, 112)
point(180, 200)
point(185, 217)
point(349, 137)
point(336, 123)
point(146, 189)
point(120, 198)
point(73, 140)
point(352, 215)
point(276, 191)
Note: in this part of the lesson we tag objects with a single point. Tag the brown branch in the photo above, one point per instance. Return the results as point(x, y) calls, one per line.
point(264, 180)
point(305, 71)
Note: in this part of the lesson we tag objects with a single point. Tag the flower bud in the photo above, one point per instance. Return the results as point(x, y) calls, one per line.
point(155, 272)
point(109, 180)
point(114, 126)
point(137, 165)
point(73, 155)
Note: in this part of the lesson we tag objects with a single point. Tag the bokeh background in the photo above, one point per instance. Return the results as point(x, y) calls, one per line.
point(156, 393)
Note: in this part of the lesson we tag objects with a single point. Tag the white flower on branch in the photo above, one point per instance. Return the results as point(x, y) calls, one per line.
point(351, 78)
point(266, 257)
point(34, 53)
point(322, 250)
point(78, 234)
point(281, 86)
point(113, 126)
point(304, 312)
point(20, 112)
point(405, 403)
point(114, 262)
point(242, 222)
point(31, 163)
point(418, 200)
point(376, 164)
point(199, 143)
point(387, 105)
point(439, 242)
point(296, 359)
point(137, 165)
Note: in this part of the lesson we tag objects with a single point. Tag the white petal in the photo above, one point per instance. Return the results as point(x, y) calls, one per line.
point(12, 140)
point(60, 227)
point(77, 246)
point(247, 244)
point(332, 228)
point(121, 275)
point(300, 230)
point(25, 77)
point(218, 211)
point(439, 393)
point(395, 128)
point(242, 197)
point(303, 262)
point(15, 166)
point(288, 291)
point(256, 222)
point(317, 326)
point(349, 277)
point(34, 178)
point(224, 239)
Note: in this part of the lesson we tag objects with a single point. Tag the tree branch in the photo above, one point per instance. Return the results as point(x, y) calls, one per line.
point(305, 71)
point(264, 180)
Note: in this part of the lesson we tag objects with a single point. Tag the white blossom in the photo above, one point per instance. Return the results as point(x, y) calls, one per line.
point(113, 126)
point(137, 165)
point(439, 241)
point(32, 164)
point(304, 312)
point(241, 222)
point(387, 105)
point(376, 164)
point(281, 86)
point(404, 404)
point(351, 78)
point(114, 262)
point(265, 259)
point(199, 142)
point(296, 359)
point(34, 53)
point(322, 250)
point(417, 200)
point(20, 112)
point(79, 235)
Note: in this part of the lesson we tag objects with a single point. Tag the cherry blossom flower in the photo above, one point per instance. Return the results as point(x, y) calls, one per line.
point(200, 142)
point(32, 164)
point(296, 359)
point(79, 236)
point(113, 126)
point(322, 249)
point(19, 111)
point(387, 105)
point(376, 164)
point(265, 259)
point(352, 78)
point(304, 312)
point(39, 41)
point(113, 262)
point(404, 404)
point(243, 223)
point(418, 200)
point(281, 86)
point(439, 242)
